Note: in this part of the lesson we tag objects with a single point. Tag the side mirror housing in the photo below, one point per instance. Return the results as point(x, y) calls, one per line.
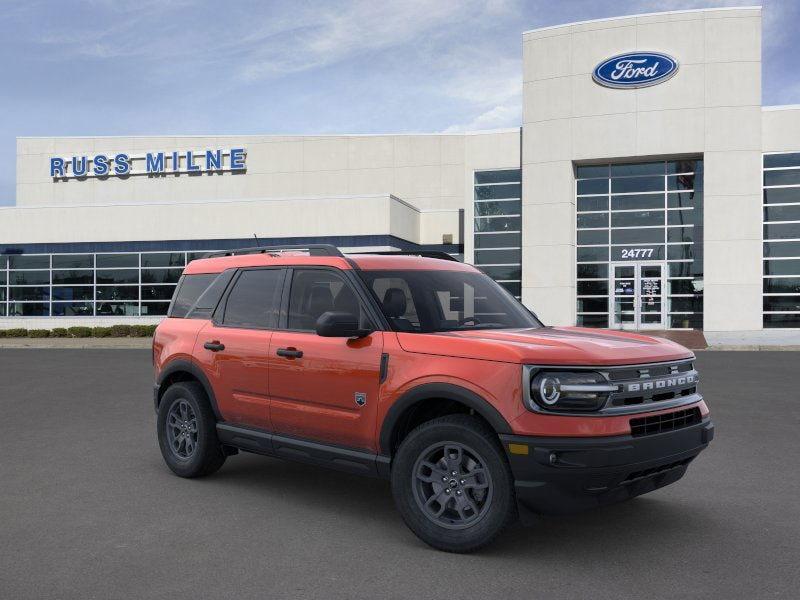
point(340, 324)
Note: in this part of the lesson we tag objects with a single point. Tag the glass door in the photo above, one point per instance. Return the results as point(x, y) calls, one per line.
point(637, 295)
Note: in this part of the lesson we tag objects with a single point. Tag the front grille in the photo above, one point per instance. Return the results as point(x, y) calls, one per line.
point(665, 422)
point(646, 384)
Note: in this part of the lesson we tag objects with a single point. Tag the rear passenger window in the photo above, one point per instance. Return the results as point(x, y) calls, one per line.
point(315, 292)
point(188, 291)
point(254, 300)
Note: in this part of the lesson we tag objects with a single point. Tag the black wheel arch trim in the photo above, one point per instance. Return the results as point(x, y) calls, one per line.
point(438, 391)
point(185, 366)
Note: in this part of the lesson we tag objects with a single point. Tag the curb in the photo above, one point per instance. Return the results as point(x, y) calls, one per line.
point(77, 343)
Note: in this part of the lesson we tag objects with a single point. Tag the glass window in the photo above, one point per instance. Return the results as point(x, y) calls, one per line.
point(2, 277)
point(445, 301)
point(592, 254)
point(2, 310)
point(684, 217)
point(596, 203)
point(593, 220)
point(316, 291)
point(589, 237)
point(117, 292)
point(782, 303)
point(782, 285)
point(782, 267)
point(487, 209)
point(190, 256)
point(73, 309)
point(117, 309)
point(3, 262)
point(498, 224)
point(502, 176)
point(782, 213)
point(681, 269)
point(2, 294)
point(637, 184)
point(599, 321)
point(497, 257)
point(651, 168)
point(684, 166)
point(514, 288)
point(686, 321)
point(782, 231)
point(788, 177)
point(73, 261)
point(254, 300)
point(117, 260)
point(154, 309)
point(684, 199)
point(189, 290)
point(29, 261)
point(592, 186)
point(506, 273)
point(637, 219)
point(498, 240)
point(117, 276)
point(685, 286)
point(782, 249)
point(637, 202)
point(790, 159)
point(587, 171)
point(161, 275)
point(680, 234)
point(680, 304)
point(592, 288)
point(592, 271)
point(593, 305)
point(73, 292)
point(682, 182)
point(787, 320)
point(680, 252)
point(493, 192)
point(637, 236)
point(29, 277)
point(782, 195)
point(163, 259)
point(62, 277)
point(29, 293)
point(157, 292)
point(28, 309)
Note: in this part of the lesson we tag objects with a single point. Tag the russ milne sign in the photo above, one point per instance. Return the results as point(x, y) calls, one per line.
point(152, 163)
point(635, 70)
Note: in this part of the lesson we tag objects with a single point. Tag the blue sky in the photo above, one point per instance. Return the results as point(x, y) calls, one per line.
point(152, 67)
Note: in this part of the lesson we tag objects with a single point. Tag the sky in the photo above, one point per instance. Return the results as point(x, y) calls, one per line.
point(172, 67)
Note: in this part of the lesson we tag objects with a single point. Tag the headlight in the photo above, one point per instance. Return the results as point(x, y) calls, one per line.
point(570, 391)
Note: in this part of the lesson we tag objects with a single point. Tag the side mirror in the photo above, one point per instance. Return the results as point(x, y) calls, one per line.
point(340, 324)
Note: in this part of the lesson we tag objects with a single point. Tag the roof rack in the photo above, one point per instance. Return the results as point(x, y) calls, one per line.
point(312, 249)
point(424, 253)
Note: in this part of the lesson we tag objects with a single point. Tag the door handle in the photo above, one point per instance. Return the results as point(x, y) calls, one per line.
point(214, 346)
point(290, 353)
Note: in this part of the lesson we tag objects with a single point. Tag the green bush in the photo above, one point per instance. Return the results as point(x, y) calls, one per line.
point(59, 332)
point(80, 332)
point(142, 330)
point(38, 333)
point(2, 333)
point(120, 330)
point(101, 332)
point(17, 332)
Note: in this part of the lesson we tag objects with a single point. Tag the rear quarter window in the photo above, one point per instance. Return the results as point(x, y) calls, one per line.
point(189, 289)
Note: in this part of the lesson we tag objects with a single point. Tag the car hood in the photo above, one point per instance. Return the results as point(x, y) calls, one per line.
point(546, 346)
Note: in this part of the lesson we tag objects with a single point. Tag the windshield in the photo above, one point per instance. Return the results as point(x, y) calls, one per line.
point(436, 301)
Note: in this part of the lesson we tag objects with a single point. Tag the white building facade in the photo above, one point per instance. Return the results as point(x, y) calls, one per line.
point(647, 189)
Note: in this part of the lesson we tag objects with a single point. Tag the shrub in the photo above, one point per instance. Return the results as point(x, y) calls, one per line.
point(16, 332)
point(38, 333)
point(120, 330)
point(80, 332)
point(2, 333)
point(142, 330)
point(101, 332)
point(59, 332)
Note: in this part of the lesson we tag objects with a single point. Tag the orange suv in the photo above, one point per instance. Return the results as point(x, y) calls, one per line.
point(424, 371)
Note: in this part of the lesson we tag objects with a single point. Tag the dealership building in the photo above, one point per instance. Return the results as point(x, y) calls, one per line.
point(646, 188)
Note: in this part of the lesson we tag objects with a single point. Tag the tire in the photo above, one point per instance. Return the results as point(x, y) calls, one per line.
point(474, 506)
point(190, 448)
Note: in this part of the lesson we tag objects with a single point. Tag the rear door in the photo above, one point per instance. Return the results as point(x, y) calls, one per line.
point(323, 389)
point(232, 348)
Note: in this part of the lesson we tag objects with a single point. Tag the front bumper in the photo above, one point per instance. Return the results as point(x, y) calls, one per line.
point(561, 475)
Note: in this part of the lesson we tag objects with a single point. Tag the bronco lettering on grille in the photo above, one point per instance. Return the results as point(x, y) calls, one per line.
point(658, 384)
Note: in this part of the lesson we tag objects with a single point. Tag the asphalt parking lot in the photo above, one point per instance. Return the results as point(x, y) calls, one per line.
point(88, 510)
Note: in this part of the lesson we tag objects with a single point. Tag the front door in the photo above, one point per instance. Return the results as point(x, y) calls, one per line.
point(637, 299)
point(323, 389)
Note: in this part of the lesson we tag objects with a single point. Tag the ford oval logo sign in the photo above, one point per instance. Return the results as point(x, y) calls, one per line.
point(635, 70)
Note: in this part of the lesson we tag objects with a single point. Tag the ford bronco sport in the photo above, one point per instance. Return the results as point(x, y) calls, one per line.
point(423, 371)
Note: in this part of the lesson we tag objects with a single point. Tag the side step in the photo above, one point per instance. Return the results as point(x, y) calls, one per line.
point(315, 453)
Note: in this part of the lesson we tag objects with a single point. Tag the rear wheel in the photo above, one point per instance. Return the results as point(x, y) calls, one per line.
point(187, 433)
point(452, 484)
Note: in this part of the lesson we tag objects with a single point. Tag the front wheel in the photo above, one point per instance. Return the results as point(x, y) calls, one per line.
point(452, 484)
point(187, 433)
